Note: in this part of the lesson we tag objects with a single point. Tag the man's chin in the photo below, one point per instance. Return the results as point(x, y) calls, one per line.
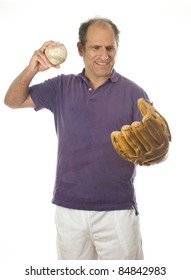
point(103, 72)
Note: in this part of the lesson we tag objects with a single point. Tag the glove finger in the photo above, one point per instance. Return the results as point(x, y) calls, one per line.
point(121, 146)
point(144, 135)
point(132, 139)
point(141, 134)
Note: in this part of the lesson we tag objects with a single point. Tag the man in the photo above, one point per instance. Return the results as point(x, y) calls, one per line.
point(96, 208)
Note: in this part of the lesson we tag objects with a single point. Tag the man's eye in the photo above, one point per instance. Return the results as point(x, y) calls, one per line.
point(110, 48)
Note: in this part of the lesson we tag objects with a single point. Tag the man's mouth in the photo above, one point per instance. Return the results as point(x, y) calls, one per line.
point(102, 63)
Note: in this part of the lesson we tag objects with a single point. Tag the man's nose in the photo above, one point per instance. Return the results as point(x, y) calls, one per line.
point(103, 53)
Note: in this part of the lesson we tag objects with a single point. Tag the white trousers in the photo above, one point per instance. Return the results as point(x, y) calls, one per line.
point(104, 235)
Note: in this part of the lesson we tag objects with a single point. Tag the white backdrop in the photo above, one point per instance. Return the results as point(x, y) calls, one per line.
point(154, 52)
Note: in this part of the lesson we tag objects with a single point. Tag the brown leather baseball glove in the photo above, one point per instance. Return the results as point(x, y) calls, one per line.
point(145, 142)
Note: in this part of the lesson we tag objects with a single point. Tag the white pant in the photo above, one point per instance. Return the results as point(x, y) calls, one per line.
point(104, 235)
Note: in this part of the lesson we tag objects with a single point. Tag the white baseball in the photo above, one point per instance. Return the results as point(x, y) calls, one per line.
point(56, 54)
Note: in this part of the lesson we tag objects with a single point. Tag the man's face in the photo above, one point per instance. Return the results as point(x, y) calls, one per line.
point(99, 53)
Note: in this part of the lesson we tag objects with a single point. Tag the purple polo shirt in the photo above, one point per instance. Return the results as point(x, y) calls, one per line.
point(90, 174)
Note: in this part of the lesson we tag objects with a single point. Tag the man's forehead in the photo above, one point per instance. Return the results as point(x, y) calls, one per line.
point(101, 32)
point(100, 25)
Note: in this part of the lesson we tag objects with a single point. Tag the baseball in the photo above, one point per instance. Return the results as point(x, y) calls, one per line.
point(56, 54)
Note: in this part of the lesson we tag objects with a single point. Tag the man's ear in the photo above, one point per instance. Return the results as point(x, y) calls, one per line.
point(80, 48)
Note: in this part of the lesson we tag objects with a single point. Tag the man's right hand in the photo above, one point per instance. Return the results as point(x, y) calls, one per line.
point(39, 62)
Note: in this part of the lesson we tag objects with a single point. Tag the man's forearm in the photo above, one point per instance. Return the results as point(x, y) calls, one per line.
point(18, 90)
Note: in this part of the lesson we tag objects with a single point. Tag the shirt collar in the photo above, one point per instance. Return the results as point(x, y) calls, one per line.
point(113, 78)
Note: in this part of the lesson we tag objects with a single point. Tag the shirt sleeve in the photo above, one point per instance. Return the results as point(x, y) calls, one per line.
point(44, 95)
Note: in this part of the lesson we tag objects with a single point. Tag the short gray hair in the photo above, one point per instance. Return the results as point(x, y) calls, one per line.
point(85, 25)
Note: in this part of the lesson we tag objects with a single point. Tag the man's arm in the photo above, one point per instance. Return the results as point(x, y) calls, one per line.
point(17, 95)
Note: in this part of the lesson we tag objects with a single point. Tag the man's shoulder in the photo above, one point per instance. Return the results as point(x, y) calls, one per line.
point(128, 81)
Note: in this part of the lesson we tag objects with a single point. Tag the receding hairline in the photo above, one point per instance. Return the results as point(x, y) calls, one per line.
point(99, 21)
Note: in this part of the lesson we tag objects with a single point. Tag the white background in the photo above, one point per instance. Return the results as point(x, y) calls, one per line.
point(155, 52)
